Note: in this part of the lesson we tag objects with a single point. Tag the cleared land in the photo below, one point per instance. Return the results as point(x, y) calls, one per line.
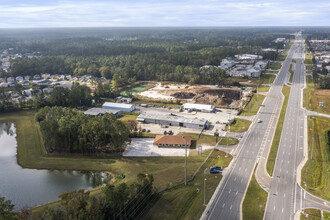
point(186, 202)
point(239, 125)
point(263, 88)
point(275, 65)
point(316, 170)
point(203, 94)
point(31, 155)
point(276, 141)
point(254, 201)
point(313, 97)
point(267, 78)
point(252, 107)
point(210, 140)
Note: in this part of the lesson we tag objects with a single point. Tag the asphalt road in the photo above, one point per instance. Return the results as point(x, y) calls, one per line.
point(285, 196)
point(229, 198)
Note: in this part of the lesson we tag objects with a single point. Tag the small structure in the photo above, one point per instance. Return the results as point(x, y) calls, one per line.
point(172, 141)
point(102, 111)
point(198, 107)
point(124, 99)
point(119, 106)
point(172, 120)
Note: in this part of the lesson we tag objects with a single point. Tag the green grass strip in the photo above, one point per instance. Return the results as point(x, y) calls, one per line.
point(291, 73)
point(273, 150)
point(254, 201)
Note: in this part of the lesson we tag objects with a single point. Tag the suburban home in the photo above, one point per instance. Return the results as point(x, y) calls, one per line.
point(36, 77)
point(19, 78)
point(172, 141)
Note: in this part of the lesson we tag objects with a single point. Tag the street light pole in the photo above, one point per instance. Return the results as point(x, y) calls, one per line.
point(204, 190)
point(185, 169)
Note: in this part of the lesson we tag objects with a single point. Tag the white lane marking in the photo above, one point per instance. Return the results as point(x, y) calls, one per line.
point(223, 205)
point(229, 191)
point(231, 206)
point(236, 192)
point(274, 208)
point(234, 179)
point(282, 210)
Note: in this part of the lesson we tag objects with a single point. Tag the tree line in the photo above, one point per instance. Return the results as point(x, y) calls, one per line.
point(66, 130)
point(114, 202)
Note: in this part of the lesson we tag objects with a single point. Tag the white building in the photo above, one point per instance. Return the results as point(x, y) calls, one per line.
point(198, 107)
point(119, 106)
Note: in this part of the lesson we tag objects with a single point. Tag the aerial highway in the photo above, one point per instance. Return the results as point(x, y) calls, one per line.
point(227, 203)
point(286, 196)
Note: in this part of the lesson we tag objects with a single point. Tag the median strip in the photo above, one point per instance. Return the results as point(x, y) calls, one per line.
point(291, 73)
point(277, 137)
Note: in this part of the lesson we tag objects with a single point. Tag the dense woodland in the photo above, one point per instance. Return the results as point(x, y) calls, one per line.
point(120, 202)
point(66, 130)
point(138, 54)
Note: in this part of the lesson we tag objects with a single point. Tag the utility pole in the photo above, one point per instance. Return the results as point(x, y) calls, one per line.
point(312, 148)
point(185, 169)
point(204, 190)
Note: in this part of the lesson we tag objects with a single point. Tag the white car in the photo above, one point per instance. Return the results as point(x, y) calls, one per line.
point(259, 120)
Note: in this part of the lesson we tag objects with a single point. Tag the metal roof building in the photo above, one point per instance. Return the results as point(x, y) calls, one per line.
point(198, 107)
point(102, 111)
point(119, 106)
point(173, 121)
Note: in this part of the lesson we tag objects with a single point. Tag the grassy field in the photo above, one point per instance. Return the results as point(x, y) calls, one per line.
point(210, 140)
point(313, 96)
point(267, 78)
point(311, 214)
point(31, 155)
point(263, 88)
point(276, 141)
point(291, 73)
point(316, 173)
point(255, 201)
point(256, 100)
point(308, 59)
point(186, 202)
point(271, 71)
point(161, 103)
point(275, 65)
point(239, 125)
point(309, 67)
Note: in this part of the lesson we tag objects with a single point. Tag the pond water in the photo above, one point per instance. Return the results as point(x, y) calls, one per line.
point(31, 187)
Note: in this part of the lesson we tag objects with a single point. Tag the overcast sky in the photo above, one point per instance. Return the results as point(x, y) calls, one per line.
point(114, 13)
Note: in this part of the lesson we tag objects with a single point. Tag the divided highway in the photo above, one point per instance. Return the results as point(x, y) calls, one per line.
point(228, 201)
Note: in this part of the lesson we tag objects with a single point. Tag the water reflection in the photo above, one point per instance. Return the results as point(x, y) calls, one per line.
point(31, 187)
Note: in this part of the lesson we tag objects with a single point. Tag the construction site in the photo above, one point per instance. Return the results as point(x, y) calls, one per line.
point(202, 94)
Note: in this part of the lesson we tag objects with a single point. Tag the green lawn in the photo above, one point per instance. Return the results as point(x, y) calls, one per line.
point(273, 150)
point(263, 88)
point(316, 173)
point(210, 140)
point(294, 61)
point(126, 116)
point(186, 202)
point(311, 214)
point(275, 65)
point(267, 78)
point(313, 96)
point(251, 108)
point(308, 59)
point(31, 155)
point(271, 71)
point(291, 73)
point(239, 125)
point(309, 67)
point(255, 201)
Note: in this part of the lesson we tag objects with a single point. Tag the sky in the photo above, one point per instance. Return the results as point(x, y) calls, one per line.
point(157, 13)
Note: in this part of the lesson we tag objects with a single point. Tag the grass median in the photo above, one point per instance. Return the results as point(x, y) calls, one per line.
point(239, 125)
point(255, 201)
point(315, 174)
point(277, 137)
point(291, 73)
point(311, 214)
point(186, 202)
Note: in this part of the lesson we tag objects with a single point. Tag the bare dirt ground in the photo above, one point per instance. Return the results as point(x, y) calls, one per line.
point(202, 94)
point(322, 92)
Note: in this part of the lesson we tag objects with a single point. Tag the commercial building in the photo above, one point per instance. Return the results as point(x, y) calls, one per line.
point(102, 111)
point(119, 106)
point(172, 141)
point(172, 120)
point(198, 107)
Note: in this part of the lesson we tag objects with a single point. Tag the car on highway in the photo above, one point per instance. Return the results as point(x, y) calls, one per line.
point(259, 120)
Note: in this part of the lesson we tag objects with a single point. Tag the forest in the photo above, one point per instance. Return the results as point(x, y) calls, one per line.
point(114, 202)
point(140, 54)
point(66, 130)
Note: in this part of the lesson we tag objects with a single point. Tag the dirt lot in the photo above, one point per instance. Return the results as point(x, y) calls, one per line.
point(322, 92)
point(204, 94)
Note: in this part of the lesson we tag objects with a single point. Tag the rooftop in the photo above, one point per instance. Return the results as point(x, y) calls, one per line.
point(98, 111)
point(198, 106)
point(117, 105)
point(172, 140)
point(169, 117)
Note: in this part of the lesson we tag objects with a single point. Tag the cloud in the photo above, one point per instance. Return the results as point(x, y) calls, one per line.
point(87, 13)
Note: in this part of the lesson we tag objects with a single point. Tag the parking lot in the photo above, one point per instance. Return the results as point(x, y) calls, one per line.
point(217, 120)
